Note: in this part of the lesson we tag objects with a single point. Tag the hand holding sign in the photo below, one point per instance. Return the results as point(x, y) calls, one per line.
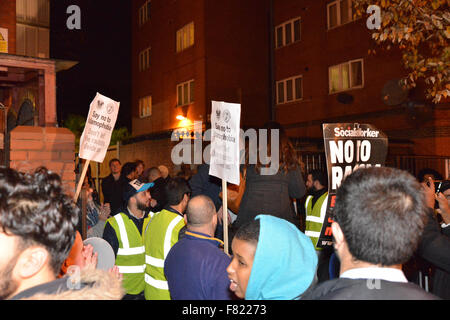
point(224, 163)
point(97, 132)
point(348, 147)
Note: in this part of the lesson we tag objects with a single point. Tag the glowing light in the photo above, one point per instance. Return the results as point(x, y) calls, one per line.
point(180, 117)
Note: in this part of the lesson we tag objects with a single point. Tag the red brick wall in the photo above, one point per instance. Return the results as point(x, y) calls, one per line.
point(152, 152)
point(8, 21)
point(53, 148)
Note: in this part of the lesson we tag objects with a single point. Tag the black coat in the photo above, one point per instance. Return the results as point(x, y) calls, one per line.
point(270, 194)
point(435, 248)
point(358, 289)
point(113, 193)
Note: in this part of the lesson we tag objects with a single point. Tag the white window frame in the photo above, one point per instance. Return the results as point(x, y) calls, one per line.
point(283, 28)
point(189, 98)
point(285, 81)
point(338, 13)
point(349, 63)
point(144, 15)
point(144, 59)
point(145, 107)
point(185, 37)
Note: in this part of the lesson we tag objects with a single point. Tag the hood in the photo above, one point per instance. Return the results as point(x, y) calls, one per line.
point(285, 261)
point(96, 285)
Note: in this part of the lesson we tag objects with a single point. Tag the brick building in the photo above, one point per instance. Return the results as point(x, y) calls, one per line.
point(28, 134)
point(324, 73)
point(300, 62)
point(188, 53)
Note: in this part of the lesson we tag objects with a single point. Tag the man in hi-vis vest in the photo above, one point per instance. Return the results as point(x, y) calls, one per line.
point(315, 204)
point(123, 232)
point(160, 234)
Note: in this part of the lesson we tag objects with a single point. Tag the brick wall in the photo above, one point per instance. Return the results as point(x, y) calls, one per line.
point(8, 21)
point(53, 148)
point(152, 152)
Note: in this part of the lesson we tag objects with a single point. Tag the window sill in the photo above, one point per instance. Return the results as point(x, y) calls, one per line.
point(346, 90)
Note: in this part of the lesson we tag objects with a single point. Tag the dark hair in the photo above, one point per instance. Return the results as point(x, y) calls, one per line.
point(34, 208)
point(382, 213)
point(287, 156)
point(445, 185)
point(128, 168)
point(114, 160)
point(425, 171)
point(320, 176)
point(249, 232)
point(175, 189)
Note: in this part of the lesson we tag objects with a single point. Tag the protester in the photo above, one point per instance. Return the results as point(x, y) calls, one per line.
point(435, 244)
point(160, 234)
point(159, 198)
point(123, 232)
point(37, 230)
point(272, 260)
point(203, 184)
point(96, 213)
point(315, 208)
point(112, 186)
point(379, 216)
point(426, 173)
point(140, 167)
point(164, 172)
point(129, 172)
point(195, 267)
point(271, 194)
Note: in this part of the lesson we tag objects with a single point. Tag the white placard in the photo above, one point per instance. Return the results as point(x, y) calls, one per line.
point(225, 128)
point(97, 132)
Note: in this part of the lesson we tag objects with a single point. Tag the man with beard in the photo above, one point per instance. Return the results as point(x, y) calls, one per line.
point(315, 208)
point(123, 231)
point(315, 204)
point(37, 230)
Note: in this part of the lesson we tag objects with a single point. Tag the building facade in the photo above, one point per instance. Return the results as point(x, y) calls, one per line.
point(189, 53)
point(299, 62)
point(28, 134)
point(324, 73)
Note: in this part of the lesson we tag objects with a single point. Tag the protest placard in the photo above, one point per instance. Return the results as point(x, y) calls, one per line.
point(97, 132)
point(348, 147)
point(224, 162)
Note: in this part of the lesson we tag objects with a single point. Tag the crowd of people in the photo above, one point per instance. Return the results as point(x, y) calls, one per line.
point(167, 235)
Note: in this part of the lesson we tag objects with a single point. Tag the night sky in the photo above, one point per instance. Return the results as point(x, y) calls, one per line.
point(103, 49)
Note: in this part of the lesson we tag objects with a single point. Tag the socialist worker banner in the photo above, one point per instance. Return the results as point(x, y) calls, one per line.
point(348, 147)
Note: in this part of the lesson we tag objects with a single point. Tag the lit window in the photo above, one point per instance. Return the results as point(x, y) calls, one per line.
point(32, 28)
point(185, 37)
point(289, 90)
point(144, 12)
point(145, 107)
point(346, 76)
point(144, 59)
point(339, 12)
point(288, 32)
point(185, 93)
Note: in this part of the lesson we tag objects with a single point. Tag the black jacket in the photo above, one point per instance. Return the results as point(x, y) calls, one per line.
point(359, 289)
point(113, 193)
point(435, 248)
point(270, 194)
